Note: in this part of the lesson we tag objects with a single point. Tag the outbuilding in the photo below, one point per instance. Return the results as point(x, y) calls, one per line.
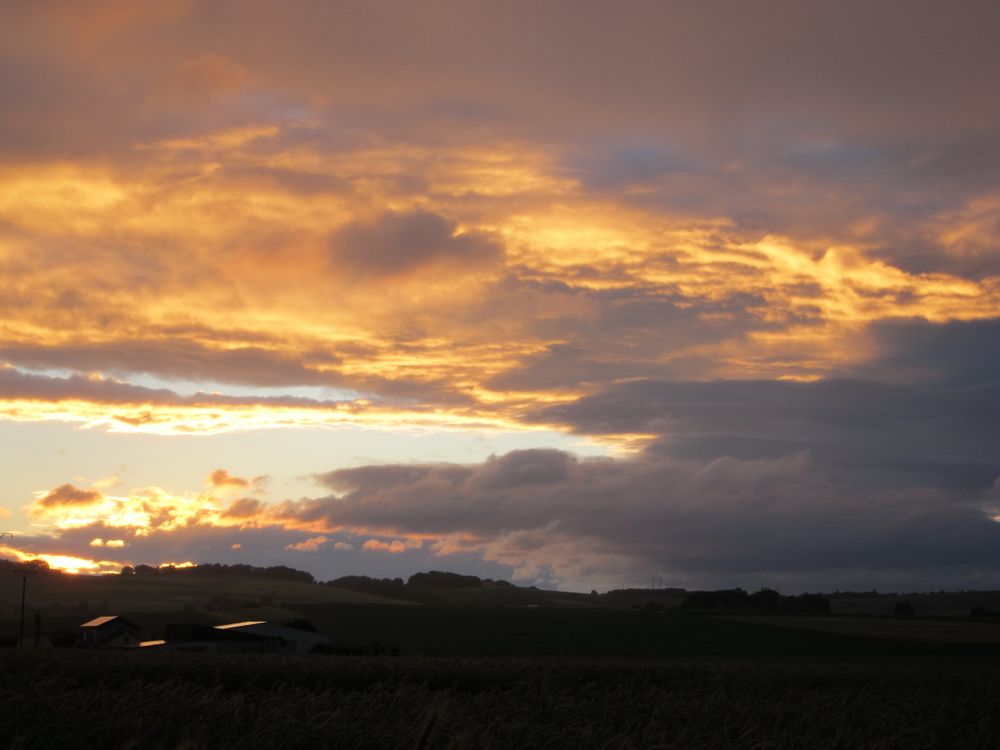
point(294, 640)
point(109, 631)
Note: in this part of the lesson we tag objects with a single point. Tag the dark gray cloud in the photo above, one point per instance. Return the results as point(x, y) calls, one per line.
point(956, 354)
point(179, 359)
point(886, 433)
point(399, 244)
point(176, 359)
point(925, 414)
point(20, 385)
point(718, 520)
point(621, 333)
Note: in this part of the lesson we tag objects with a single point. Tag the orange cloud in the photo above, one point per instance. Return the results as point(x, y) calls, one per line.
point(222, 478)
point(68, 495)
point(495, 257)
point(309, 545)
point(107, 543)
point(395, 547)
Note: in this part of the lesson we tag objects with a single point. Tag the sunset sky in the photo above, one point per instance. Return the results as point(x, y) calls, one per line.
point(573, 294)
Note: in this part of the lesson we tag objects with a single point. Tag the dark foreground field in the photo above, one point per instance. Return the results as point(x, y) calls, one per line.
point(67, 698)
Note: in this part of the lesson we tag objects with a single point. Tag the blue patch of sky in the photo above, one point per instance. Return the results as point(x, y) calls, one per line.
point(43, 455)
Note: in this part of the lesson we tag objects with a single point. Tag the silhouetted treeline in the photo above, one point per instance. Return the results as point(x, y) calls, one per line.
point(437, 579)
point(281, 572)
point(720, 599)
point(31, 566)
point(388, 587)
point(764, 599)
point(415, 584)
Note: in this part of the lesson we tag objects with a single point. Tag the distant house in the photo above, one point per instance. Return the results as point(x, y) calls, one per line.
point(109, 631)
point(293, 640)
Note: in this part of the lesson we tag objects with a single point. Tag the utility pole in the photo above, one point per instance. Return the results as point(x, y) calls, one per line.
point(24, 570)
point(24, 586)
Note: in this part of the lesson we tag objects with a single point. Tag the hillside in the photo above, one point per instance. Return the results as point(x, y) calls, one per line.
point(64, 593)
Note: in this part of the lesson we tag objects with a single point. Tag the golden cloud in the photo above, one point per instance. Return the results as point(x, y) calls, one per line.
point(269, 261)
point(68, 495)
point(222, 478)
point(394, 547)
point(309, 545)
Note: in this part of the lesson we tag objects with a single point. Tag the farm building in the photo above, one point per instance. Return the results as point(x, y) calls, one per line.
point(294, 640)
point(109, 631)
point(192, 637)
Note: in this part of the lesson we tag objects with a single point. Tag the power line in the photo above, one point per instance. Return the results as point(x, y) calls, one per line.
point(24, 570)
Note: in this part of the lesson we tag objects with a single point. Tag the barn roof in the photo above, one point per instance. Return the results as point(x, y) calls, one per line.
point(230, 625)
point(105, 619)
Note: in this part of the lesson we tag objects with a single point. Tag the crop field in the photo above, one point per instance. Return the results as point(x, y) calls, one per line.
point(519, 677)
point(898, 628)
point(507, 631)
point(69, 698)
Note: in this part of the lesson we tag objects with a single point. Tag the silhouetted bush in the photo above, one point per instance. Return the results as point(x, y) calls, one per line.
point(436, 579)
point(388, 587)
point(903, 609)
point(281, 572)
point(764, 599)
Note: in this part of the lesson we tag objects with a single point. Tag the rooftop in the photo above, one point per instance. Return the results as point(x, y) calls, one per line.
point(98, 621)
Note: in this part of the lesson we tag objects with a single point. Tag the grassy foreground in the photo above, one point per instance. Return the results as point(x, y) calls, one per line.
point(67, 698)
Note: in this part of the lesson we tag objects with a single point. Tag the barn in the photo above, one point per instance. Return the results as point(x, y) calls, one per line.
point(109, 631)
point(294, 640)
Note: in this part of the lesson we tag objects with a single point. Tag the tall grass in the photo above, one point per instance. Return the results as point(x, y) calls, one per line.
point(144, 700)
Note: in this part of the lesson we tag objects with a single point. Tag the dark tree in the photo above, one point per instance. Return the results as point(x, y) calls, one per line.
point(765, 599)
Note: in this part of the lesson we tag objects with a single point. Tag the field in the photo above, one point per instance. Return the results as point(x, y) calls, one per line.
point(142, 594)
point(70, 698)
point(518, 669)
point(892, 628)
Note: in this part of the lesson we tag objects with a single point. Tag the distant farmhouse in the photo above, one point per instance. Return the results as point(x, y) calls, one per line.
point(110, 631)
